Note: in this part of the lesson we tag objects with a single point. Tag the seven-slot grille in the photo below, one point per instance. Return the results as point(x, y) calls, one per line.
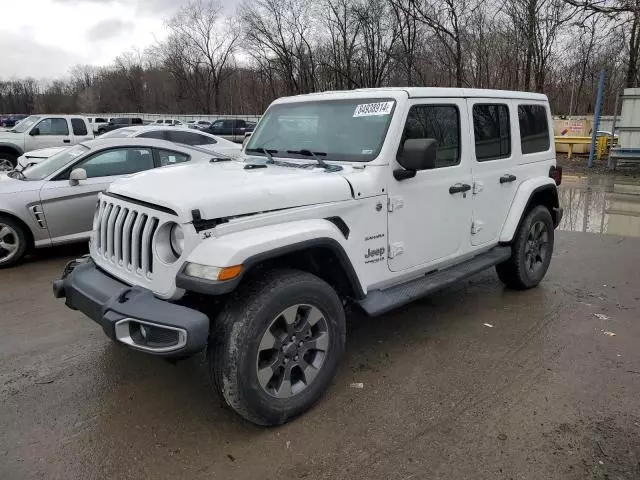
point(124, 236)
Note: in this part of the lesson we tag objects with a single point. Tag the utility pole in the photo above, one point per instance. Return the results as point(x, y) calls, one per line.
point(596, 118)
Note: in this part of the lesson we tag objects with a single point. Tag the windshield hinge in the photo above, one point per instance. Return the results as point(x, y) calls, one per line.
point(394, 203)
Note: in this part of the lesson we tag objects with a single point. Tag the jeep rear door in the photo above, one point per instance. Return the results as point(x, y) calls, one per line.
point(430, 213)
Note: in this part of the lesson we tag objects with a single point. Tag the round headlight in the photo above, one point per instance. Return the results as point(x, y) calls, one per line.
point(176, 237)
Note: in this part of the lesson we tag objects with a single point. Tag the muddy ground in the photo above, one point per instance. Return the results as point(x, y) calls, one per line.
point(476, 382)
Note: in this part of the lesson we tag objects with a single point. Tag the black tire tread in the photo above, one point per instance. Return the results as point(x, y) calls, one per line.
point(234, 321)
point(511, 271)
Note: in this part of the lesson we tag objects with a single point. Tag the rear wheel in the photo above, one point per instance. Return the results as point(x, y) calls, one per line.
point(277, 345)
point(8, 161)
point(13, 242)
point(531, 251)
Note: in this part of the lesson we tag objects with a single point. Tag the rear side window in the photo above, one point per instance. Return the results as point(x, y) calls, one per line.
point(158, 134)
point(168, 157)
point(78, 126)
point(491, 131)
point(440, 122)
point(189, 138)
point(136, 121)
point(534, 129)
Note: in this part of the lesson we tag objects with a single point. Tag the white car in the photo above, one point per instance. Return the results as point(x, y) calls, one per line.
point(98, 123)
point(177, 135)
point(368, 198)
point(185, 136)
point(169, 121)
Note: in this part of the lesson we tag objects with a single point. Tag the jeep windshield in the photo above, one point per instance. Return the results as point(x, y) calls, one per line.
point(25, 124)
point(350, 130)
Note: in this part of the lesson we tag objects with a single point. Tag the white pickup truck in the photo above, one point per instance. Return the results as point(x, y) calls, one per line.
point(366, 198)
point(42, 131)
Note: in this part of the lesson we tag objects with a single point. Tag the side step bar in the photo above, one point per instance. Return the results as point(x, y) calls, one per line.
point(378, 302)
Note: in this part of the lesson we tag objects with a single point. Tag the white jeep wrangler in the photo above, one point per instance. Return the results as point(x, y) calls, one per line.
point(367, 198)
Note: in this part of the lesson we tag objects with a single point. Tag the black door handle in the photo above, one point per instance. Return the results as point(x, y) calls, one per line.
point(67, 141)
point(507, 178)
point(459, 188)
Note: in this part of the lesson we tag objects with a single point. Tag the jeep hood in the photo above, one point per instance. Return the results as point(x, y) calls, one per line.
point(226, 189)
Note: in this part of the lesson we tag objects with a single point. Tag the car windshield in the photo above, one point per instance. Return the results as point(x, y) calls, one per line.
point(25, 124)
point(345, 130)
point(120, 133)
point(54, 163)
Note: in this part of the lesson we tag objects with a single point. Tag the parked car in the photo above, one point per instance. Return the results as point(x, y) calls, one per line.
point(371, 198)
point(53, 202)
point(202, 124)
point(180, 135)
point(42, 131)
point(11, 120)
point(171, 134)
point(169, 121)
point(97, 123)
point(233, 130)
point(119, 122)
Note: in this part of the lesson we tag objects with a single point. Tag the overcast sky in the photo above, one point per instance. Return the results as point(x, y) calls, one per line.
point(44, 38)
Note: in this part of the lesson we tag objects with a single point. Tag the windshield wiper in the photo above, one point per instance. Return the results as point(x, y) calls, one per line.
point(264, 151)
point(321, 163)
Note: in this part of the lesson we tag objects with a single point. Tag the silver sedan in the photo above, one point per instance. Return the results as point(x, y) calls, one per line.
point(53, 202)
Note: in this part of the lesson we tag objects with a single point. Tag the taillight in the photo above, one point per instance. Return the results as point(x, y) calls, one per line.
point(556, 174)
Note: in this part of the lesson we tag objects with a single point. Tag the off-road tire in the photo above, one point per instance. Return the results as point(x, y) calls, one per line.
point(22, 242)
point(237, 333)
point(514, 272)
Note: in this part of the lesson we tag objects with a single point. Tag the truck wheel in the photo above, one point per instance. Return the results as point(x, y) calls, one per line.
point(8, 161)
point(277, 345)
point(531, 251)
point(13, 242)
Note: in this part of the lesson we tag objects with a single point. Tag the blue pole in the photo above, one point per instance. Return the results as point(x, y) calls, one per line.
point(596, 118)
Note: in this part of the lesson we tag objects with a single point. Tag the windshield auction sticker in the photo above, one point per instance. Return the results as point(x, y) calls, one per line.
point(370, 109)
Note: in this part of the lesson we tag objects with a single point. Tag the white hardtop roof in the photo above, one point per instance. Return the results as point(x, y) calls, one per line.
point(427, 92)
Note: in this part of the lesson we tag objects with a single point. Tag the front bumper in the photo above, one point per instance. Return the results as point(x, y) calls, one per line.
point(132, 315)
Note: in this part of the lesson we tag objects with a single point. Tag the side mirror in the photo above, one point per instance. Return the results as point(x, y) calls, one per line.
point(34, 132)
point(76, 175)
point(417, 154)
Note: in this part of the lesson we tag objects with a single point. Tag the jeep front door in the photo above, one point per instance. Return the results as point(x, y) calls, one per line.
point(430, 213)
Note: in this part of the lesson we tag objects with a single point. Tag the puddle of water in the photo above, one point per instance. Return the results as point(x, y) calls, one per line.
point(601, 205)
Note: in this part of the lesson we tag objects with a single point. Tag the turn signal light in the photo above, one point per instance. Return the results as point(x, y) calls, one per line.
point(227, 273)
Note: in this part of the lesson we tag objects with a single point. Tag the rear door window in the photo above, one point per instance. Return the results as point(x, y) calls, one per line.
point(534, 128)
point(491, 131)
point(79, 127)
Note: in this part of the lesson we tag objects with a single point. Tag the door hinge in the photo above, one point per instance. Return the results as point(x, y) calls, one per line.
point(396, 249)
point(477, 187)
point(476, 226)
point(394, 203)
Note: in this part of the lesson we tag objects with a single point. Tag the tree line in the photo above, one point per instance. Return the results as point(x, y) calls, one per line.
point(215, 61)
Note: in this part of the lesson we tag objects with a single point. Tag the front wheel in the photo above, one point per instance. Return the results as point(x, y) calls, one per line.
point(8, 161)
point(531, 251)
point(13, 242)
point(277, 345)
